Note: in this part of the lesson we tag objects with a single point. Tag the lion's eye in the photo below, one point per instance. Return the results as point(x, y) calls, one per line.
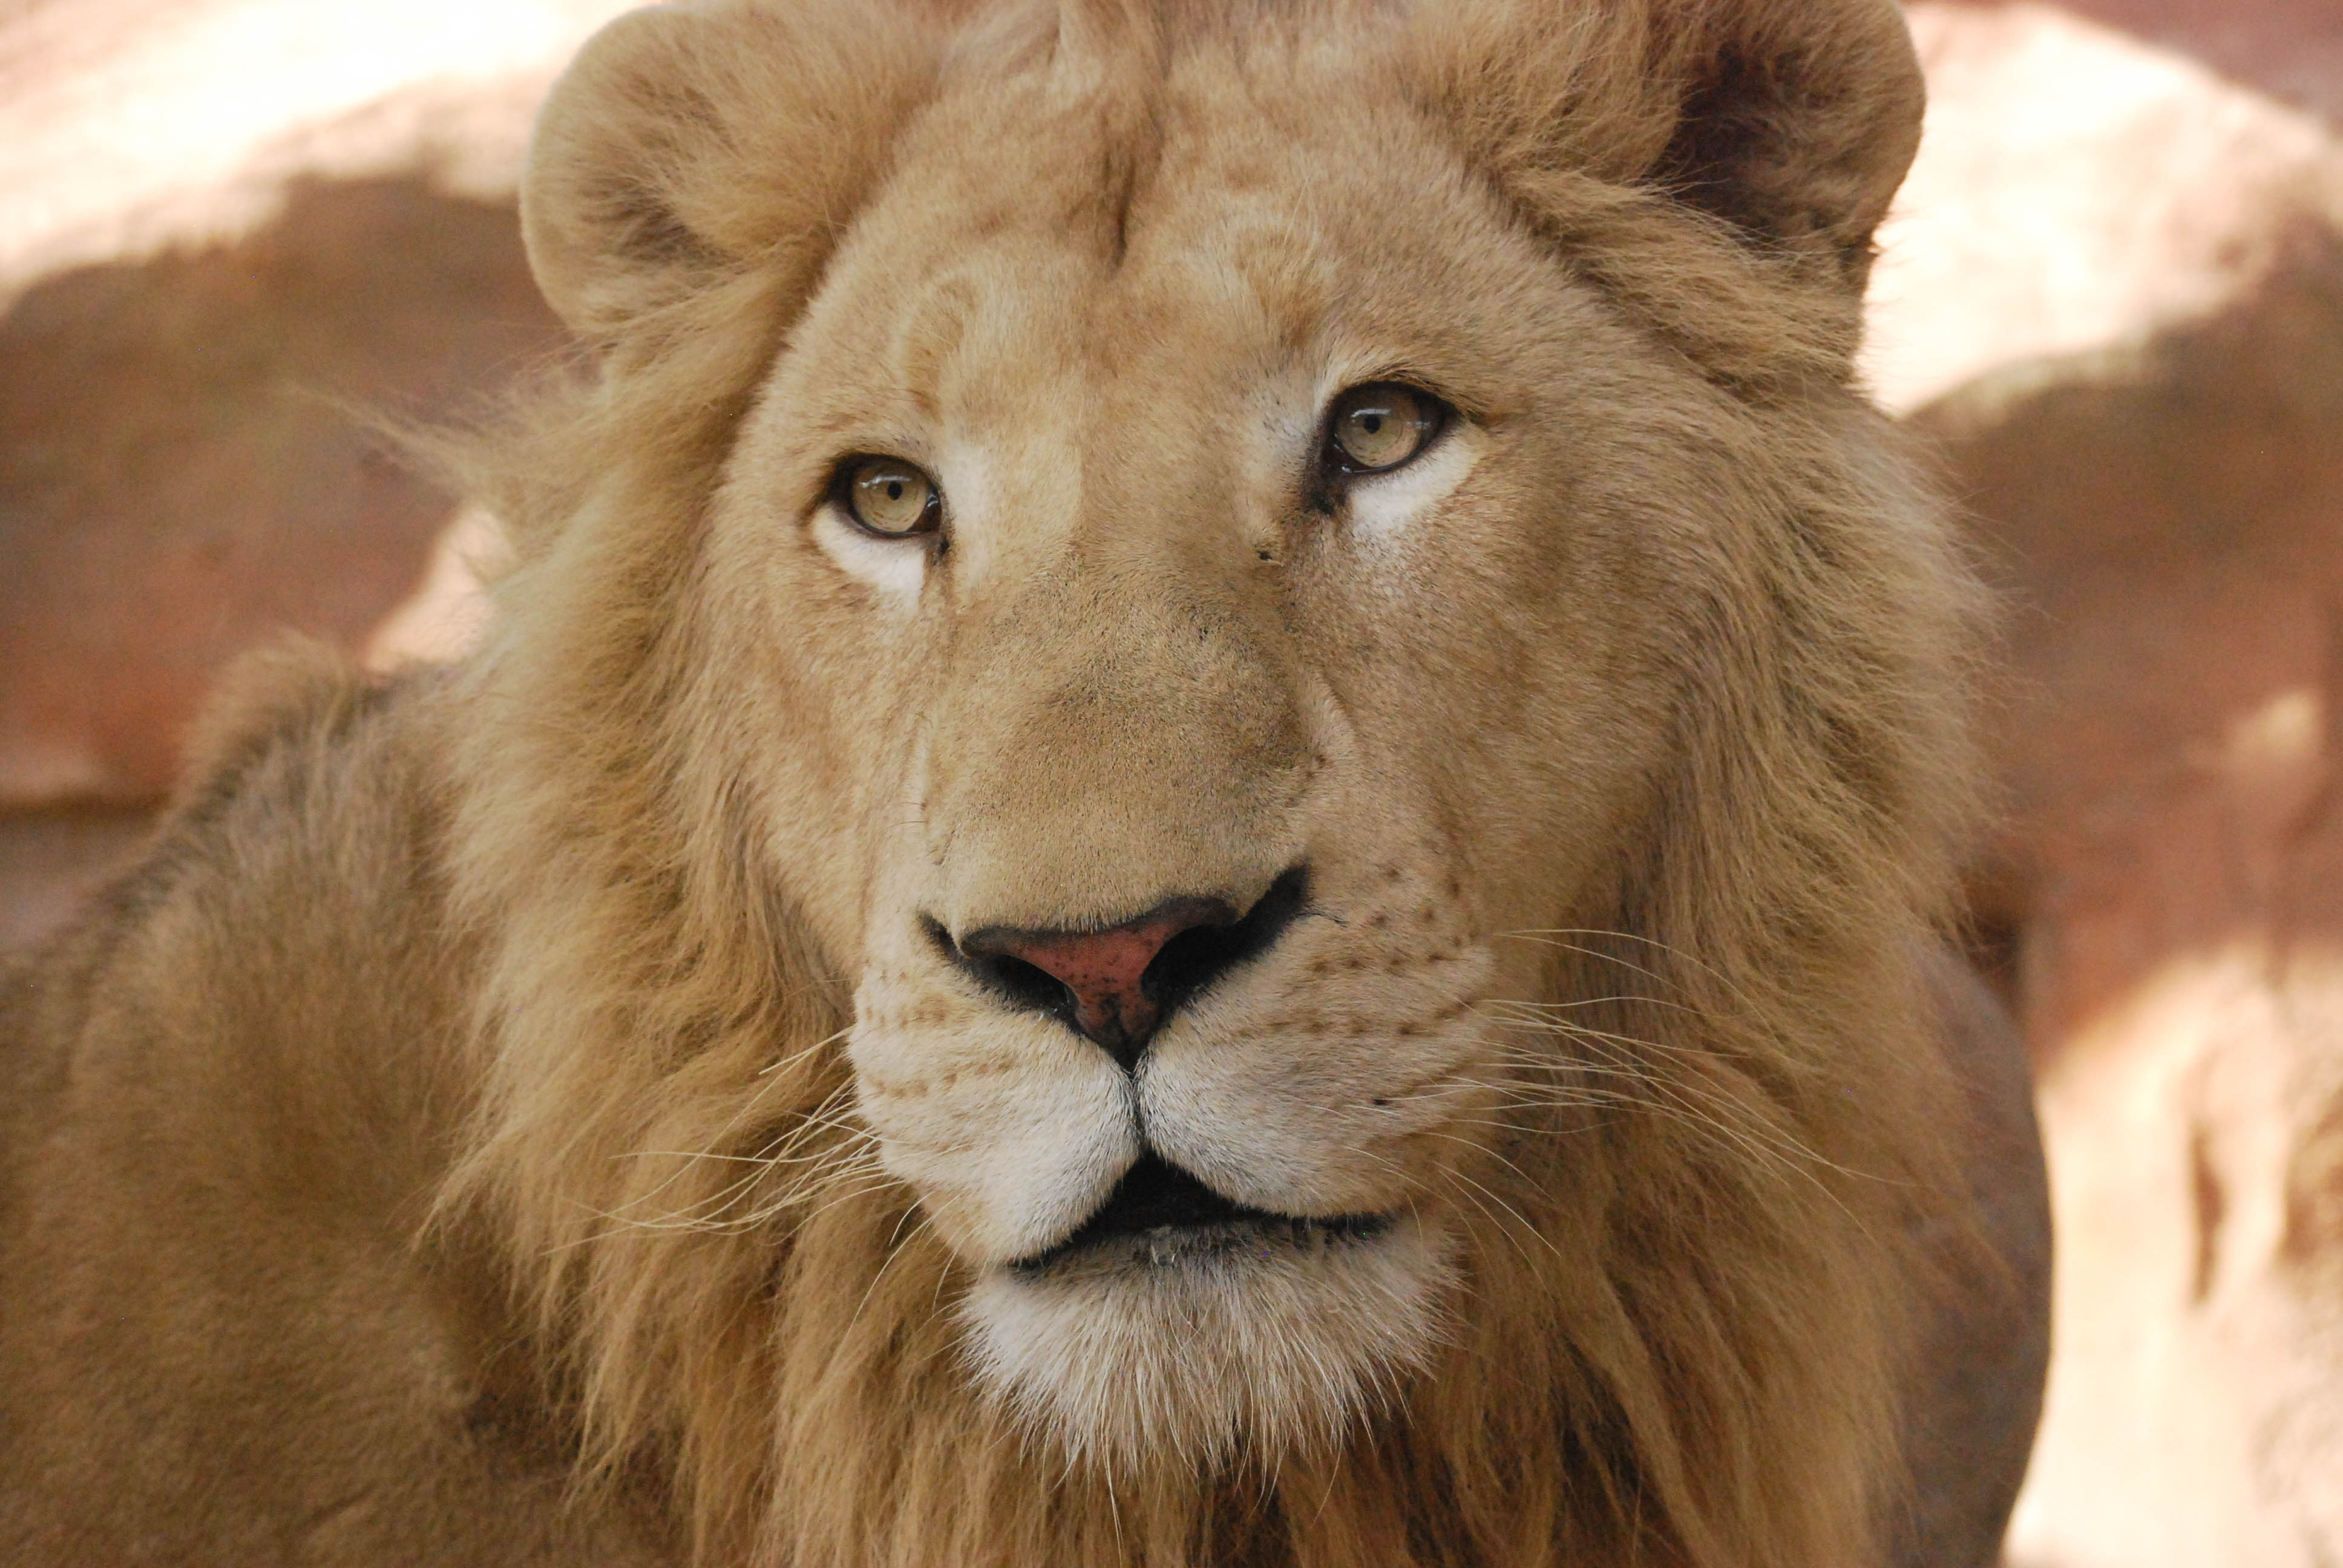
point(1377, 428)
point(889, 497)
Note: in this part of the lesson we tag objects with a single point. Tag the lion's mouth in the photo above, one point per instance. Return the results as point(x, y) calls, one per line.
point(1158, 1215)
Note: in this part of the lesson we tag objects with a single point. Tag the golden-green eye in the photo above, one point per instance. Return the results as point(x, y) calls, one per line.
point(1376, 427)
point(889, 497)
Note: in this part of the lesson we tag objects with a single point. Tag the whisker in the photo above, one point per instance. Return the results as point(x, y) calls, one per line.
point(1458, 1174)
point(896, 1243)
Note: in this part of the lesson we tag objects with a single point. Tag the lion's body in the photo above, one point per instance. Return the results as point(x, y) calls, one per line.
point(561, 1110)
point(226, 1116)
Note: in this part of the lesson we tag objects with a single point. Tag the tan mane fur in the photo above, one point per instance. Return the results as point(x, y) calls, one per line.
point(1681, 1318)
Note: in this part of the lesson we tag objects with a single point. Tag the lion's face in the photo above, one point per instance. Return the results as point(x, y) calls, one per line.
point(1177, 555)
point(1193, 642)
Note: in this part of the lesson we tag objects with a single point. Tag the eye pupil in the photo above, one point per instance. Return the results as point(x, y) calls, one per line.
point(1373, 422)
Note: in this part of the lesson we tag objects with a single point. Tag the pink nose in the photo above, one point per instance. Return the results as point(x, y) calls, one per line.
point(1103, 971)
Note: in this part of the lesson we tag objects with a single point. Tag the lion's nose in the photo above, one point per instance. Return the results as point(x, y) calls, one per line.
point(1116, 985)
point(1105, 972)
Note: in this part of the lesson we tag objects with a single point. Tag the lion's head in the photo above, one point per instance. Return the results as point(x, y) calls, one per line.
point(1214, 776)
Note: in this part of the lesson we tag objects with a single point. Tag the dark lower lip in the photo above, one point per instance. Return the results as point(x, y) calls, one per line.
point(1159, 1214)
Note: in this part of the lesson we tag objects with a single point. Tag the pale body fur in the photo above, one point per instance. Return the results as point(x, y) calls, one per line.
point(525, 1114)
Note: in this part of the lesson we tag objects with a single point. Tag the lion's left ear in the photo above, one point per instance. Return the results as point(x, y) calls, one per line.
point(689, 141)
point(1794, 120)
point(1798, 119)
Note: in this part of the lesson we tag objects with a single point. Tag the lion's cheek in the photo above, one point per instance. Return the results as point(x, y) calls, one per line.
point(1010, 1129)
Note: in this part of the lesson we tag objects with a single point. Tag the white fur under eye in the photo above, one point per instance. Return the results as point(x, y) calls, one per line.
point(895, 568)
point(1382, 506)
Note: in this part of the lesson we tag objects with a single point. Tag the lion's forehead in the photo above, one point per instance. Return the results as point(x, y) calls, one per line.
point(1026, 267)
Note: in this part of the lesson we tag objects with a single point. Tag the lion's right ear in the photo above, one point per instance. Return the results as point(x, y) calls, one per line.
point(691, 141)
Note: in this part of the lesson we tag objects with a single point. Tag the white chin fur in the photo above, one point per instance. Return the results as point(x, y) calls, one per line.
point(1259, 1350)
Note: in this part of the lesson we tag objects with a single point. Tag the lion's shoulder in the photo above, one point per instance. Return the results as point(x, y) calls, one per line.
point(230, 1093)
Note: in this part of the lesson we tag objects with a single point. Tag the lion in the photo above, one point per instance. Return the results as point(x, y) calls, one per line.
point(1213, 819)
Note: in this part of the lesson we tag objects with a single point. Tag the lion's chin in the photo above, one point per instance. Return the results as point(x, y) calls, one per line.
point(1198, 1343)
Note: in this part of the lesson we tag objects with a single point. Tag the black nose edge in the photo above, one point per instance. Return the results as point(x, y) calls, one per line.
point(1192, 961)
point(1184, 968)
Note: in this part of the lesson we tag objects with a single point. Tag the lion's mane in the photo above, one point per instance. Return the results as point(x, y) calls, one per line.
point(1681, 1323)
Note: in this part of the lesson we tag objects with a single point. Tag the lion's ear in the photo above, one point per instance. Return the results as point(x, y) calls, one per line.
point(1799, 120)
point(1794, 120)
point(689, 141)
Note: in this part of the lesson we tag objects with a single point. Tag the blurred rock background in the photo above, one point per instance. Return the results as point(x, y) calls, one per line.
point(2111, 297)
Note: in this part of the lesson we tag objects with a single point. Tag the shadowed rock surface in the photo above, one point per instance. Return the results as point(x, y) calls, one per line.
point(181, 475)
point(2167, 521)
